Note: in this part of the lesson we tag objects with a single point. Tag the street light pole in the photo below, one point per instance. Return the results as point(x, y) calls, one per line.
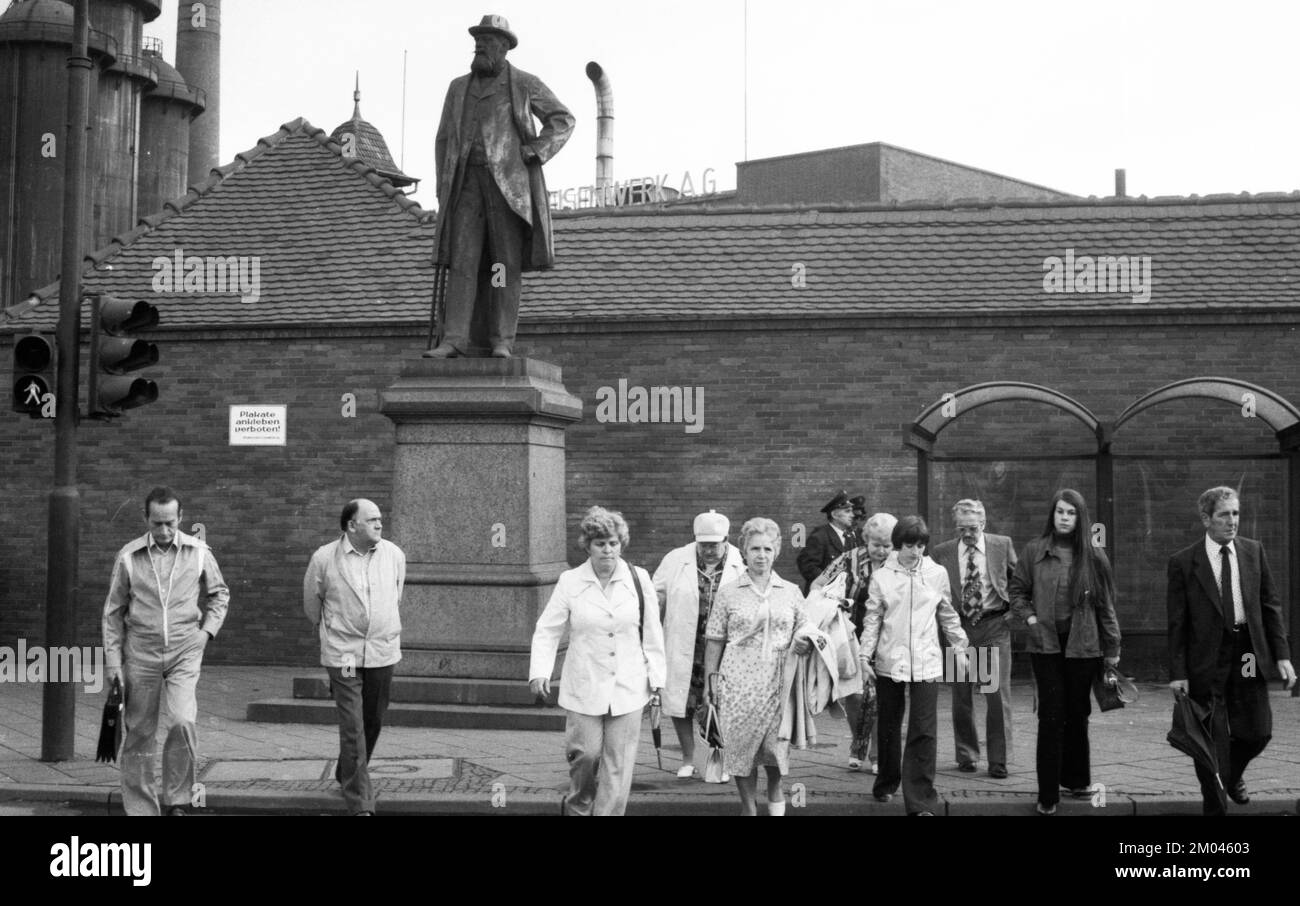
point(59, 703)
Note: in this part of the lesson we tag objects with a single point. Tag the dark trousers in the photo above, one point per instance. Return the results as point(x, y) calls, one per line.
point(487, 254)
point(1064, 703)
point(1242, 722)
point(915, 767)
point(362, 699)
point(994, 634)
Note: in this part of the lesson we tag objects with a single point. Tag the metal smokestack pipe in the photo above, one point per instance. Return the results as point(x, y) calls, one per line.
point(604, 130)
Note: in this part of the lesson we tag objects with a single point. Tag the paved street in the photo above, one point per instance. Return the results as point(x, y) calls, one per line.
point(287, 768)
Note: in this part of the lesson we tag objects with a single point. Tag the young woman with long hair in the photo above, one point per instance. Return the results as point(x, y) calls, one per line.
point(1064, 591)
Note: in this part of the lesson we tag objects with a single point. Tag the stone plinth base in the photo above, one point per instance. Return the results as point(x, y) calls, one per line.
point(478, 507)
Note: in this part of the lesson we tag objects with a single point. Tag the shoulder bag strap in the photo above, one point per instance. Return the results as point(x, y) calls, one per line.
point(640, 600)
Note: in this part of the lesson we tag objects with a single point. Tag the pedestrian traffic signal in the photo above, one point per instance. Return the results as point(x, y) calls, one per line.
point(34, 376)
point(114, 352)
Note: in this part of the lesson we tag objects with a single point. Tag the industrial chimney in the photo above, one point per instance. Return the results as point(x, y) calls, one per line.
point(198, 60)
point(166, 113)
point(604, 131)
point(115, 117)
point(35, 38)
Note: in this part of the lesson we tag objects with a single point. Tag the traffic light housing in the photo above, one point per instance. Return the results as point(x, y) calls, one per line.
point(114, 352)
point(35, 375)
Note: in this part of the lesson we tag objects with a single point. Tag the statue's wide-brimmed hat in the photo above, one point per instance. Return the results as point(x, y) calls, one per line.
point(495, 25)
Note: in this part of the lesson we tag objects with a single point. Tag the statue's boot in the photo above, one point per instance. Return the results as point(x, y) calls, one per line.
point(443, 350)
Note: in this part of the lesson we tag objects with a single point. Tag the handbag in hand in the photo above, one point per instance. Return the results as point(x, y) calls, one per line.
point(1113, 689)
point(711, 731)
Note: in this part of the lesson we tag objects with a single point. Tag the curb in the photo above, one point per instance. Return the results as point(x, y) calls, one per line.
point(108, 799)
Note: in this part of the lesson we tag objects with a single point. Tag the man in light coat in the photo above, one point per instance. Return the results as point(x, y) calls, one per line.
point(706, 564)
point(352, 593)
point(493, 212)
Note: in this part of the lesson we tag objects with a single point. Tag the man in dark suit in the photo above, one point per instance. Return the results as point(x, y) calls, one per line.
point(826, 542)
point(979, 564)
point(1226, 640)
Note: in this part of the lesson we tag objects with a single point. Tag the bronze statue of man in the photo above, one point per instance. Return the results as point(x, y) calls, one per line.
point(493, 216)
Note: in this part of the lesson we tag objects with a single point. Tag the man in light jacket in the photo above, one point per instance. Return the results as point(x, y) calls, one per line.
point(352, 593)
point(166, 603)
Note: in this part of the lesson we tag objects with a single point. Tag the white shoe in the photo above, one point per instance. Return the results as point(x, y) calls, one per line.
point(686, 770)
point(726, 778)
point(875, 769)
point(855, 764)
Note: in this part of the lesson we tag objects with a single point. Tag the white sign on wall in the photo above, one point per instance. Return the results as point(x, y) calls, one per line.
point(258, 426)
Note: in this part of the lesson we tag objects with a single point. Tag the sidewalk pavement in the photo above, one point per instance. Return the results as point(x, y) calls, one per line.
point(288, 768)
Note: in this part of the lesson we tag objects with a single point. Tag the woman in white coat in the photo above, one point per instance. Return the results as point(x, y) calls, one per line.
point(615, 662)
point(687, 580)
point(900, 650)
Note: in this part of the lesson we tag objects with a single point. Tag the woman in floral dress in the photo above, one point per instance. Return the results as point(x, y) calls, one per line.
point(751, 629)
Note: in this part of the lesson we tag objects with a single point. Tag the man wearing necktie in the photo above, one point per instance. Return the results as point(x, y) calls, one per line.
point(979, 566)
point(1226, 640)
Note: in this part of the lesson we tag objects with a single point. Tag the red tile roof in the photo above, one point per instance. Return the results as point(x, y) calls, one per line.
point(1214, 252)
point(338, 244)
point(333, 239)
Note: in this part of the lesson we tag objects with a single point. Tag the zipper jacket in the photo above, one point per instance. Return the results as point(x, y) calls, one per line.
point(899, 628)
point(162, 610)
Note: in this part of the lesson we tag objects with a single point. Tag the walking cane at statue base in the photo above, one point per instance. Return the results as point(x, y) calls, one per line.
point(493, 216)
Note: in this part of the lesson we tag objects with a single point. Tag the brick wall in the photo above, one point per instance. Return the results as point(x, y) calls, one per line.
point(790, 415)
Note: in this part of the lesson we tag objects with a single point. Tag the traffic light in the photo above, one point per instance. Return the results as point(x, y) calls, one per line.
point(34, 375)
point(114, 352)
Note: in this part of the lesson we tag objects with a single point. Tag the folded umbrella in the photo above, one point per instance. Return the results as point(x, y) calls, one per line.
point(1191, 735)
point(866, 724)
point(655, 733)
point(110, 726)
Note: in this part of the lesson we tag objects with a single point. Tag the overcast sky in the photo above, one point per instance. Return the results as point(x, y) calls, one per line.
point(1189, 97)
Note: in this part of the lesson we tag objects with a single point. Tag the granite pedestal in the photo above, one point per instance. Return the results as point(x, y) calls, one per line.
point(478, 506)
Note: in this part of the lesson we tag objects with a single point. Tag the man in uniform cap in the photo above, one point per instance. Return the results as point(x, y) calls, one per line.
point(826, 542)
point(493, 213)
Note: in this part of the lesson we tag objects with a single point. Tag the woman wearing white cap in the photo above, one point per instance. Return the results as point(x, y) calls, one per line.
point(687, 581)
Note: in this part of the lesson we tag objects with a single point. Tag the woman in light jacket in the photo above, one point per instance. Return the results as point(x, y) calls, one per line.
point(900, 649)
point(615, 662)
point(687, 581)
point(1063, 589)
